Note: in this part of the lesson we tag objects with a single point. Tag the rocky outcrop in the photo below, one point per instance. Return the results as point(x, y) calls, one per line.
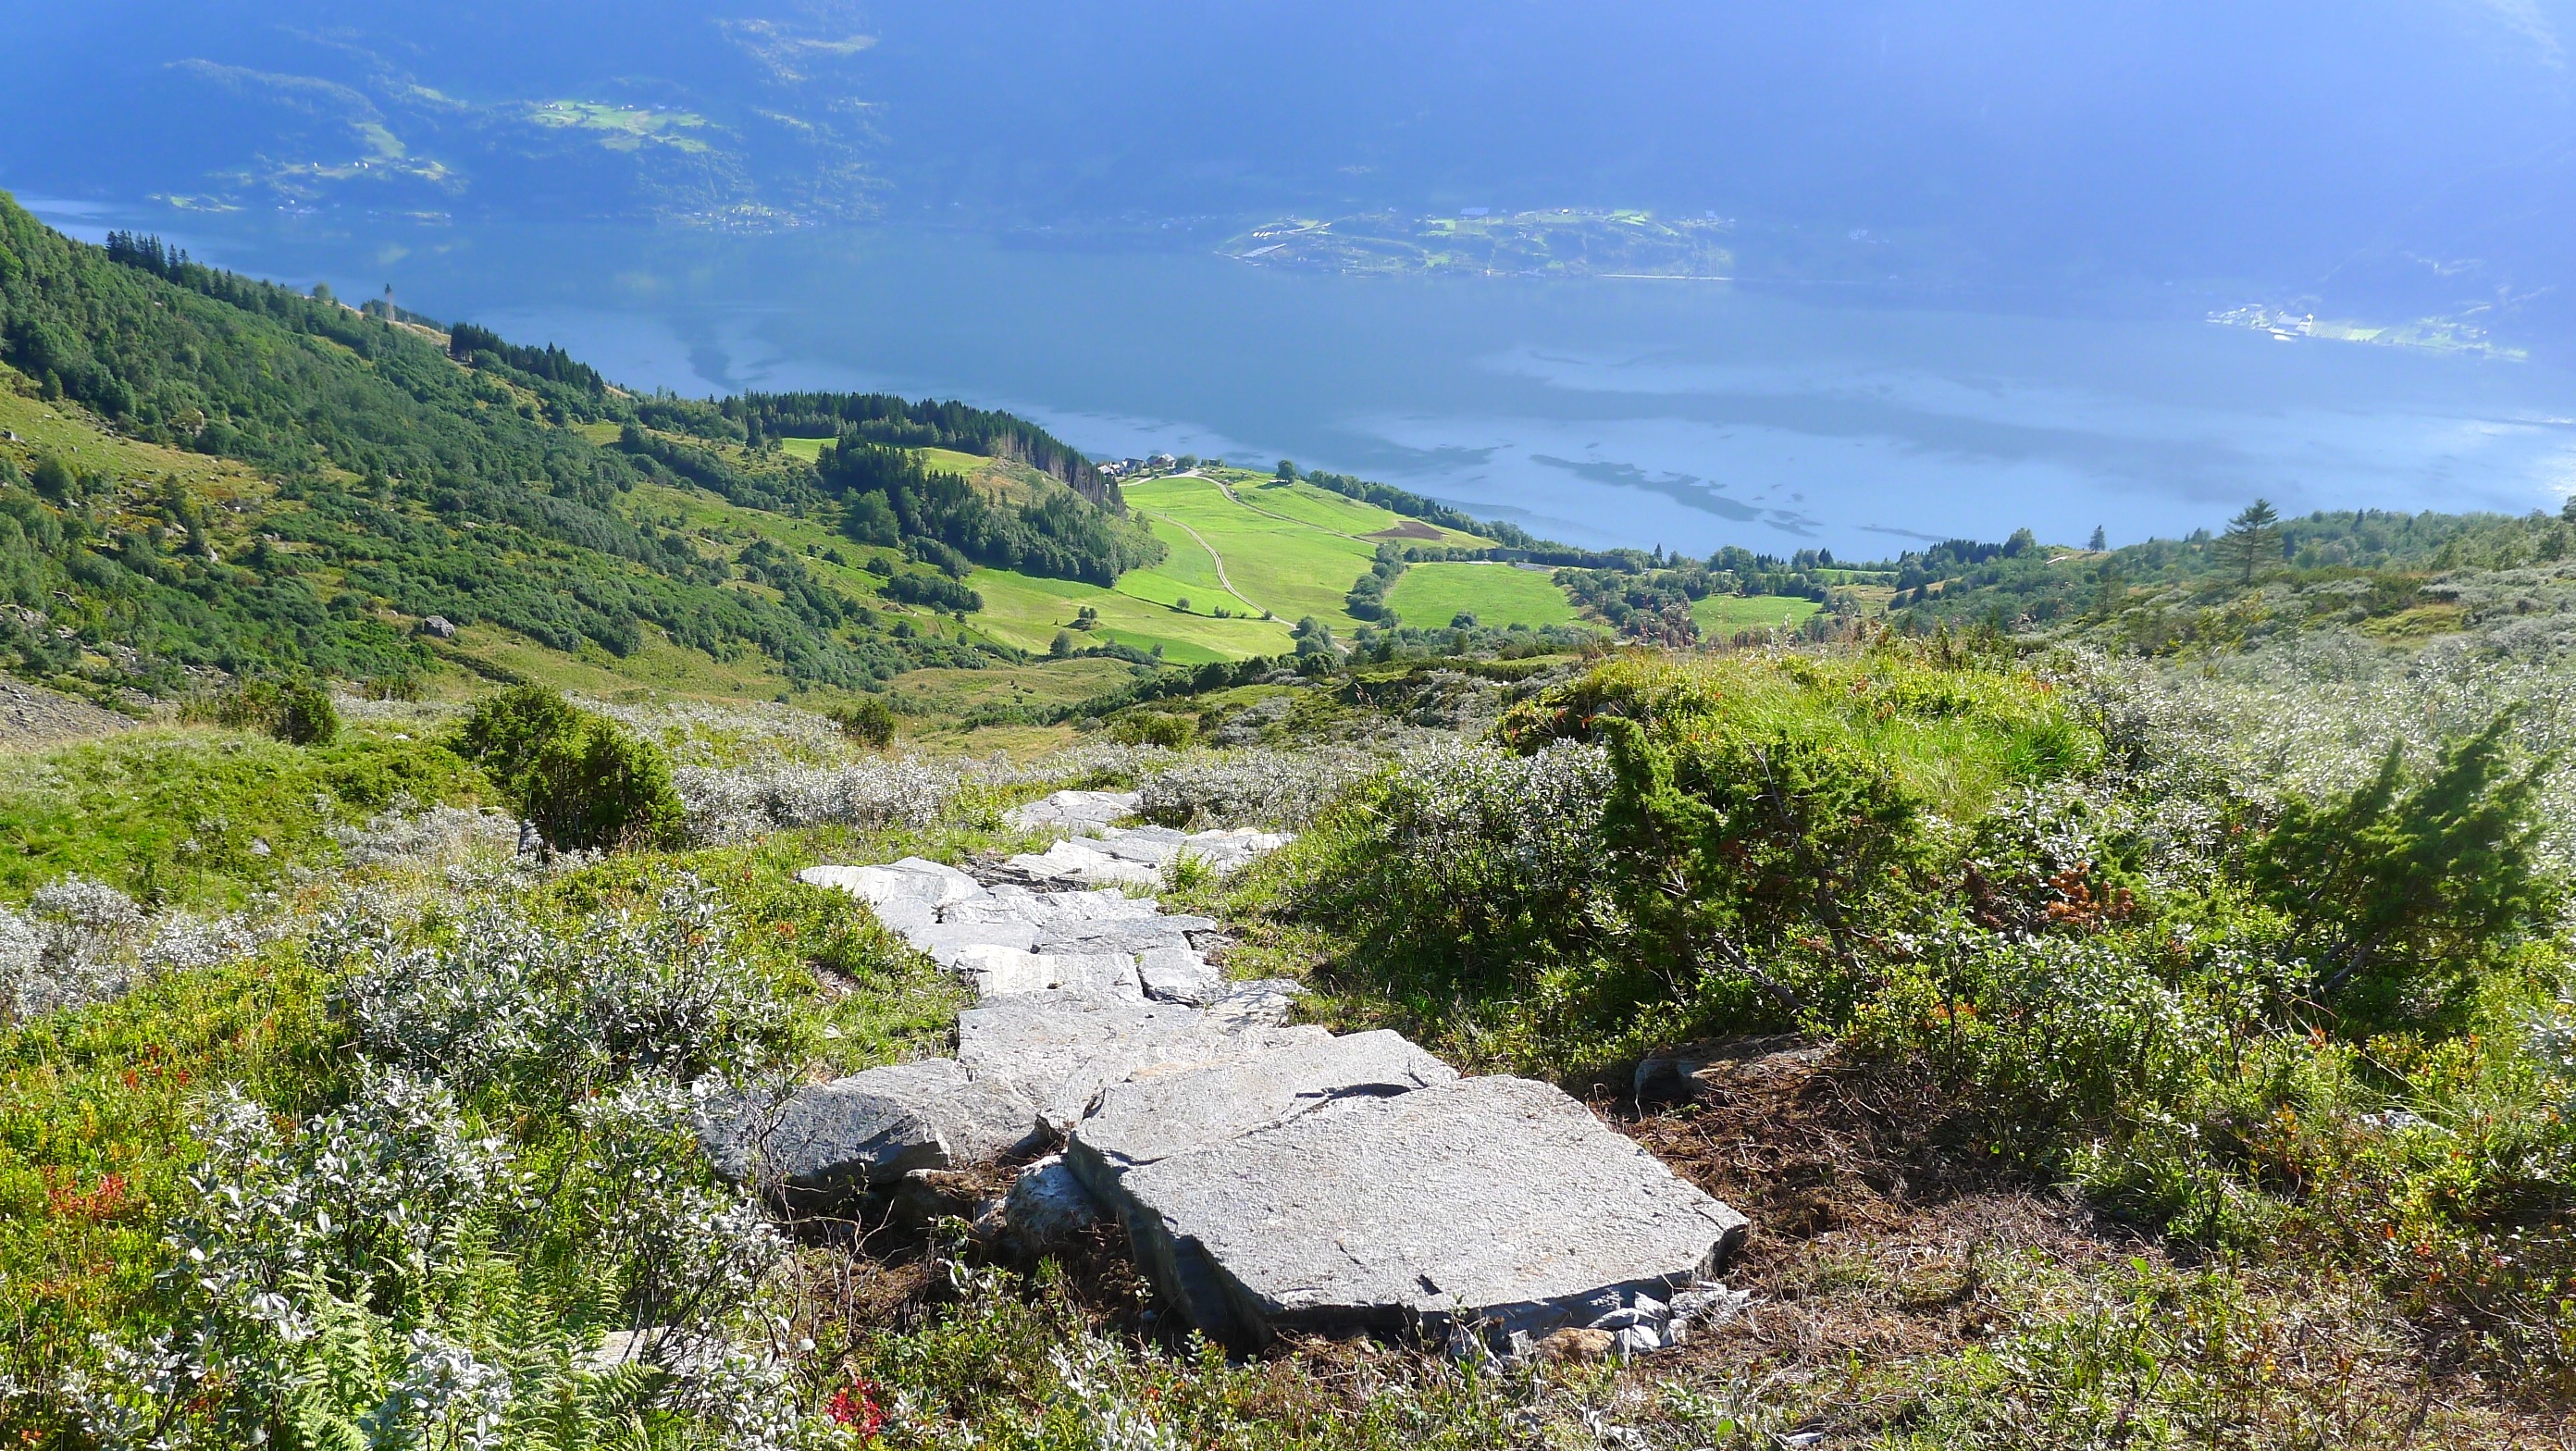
point(1269, 1177)
point(1498, 1204)
point(825, 1144)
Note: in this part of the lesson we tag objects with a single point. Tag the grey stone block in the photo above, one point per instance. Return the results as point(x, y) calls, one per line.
point(1084, 862)
point(1104, 905)
point(905, 915)
point(1059, 1050)
point(1179, 975)
point(1496, 1202)
point(826, 1143)
point(996, 904)
point(1163, 1112)
point(1265, 1001)
point(1047, 1207)
point(1079, 812)
point(1002, 971)
point(947, 944)
point(911, 878)
point(1115, 934)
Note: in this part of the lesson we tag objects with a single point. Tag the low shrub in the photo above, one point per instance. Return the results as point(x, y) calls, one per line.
point(583, 782)
point(870, 722)
point(298, 712)
point(1154, 728)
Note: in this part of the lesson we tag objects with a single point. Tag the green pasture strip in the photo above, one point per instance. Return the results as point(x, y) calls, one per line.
point(1431, 595)
point(1026, 610)
point(1726, 614)
point(1284, 566)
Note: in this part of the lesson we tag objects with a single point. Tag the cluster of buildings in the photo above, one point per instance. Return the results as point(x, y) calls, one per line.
point(1121, 468)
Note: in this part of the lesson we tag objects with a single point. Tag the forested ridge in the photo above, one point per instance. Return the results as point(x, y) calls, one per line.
point(409, 472)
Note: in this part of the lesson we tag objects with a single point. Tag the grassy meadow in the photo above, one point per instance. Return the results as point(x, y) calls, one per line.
point(1720, 616)
point(1431, 595)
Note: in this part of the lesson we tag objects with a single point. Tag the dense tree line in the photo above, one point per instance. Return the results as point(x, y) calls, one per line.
point(883, 418)
point(1059, 535)
point(467, 343)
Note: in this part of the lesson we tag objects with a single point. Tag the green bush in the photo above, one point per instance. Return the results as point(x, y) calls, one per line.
point(305, 715)
point(870, 722)
point(1154, 728)
point(298, 712)
point(2402, 892)
point(599, 789)
point(582, 782)
point(1683, 848)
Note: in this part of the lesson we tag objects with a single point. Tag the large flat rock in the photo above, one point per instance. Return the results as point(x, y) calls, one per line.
point(912, 879)
point(1497, 1201)
point(1179, 975)
point(1002, 971)
point(1060, 1051)
point(1165, 1111)
point(829, 1142)
point(1079, 812)
point(1084, 861)
point(1139, 855)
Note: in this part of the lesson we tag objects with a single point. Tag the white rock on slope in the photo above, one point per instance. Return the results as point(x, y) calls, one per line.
point(1270, 1178)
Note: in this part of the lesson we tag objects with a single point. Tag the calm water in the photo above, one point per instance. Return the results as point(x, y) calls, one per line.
point(1683, 414)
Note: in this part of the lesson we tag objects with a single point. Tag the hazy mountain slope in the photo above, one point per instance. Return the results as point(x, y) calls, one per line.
point(272, 481)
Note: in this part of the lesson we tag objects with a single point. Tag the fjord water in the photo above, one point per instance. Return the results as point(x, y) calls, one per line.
point(1601, 411)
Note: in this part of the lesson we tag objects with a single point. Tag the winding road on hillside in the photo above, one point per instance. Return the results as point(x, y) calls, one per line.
point(1221, 579)
point(1211, 552)
point(1232, 497)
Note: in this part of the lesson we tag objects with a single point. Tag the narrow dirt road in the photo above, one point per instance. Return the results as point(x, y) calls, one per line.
point(1210, 548)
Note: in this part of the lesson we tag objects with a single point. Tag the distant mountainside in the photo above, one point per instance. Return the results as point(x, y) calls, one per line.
point(203, 471)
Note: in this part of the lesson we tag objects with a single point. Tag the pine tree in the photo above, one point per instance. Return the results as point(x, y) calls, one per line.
point(2252, 540)
point(2099, 542)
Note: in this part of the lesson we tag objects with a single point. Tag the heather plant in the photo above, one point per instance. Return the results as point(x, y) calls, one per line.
point(512, 1176)
point(553, 1016)
point(81, 942)
point(434, 836)
point(1283, 790)
point(726, 805)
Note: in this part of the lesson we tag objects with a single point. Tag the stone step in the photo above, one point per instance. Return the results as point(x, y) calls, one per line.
point(1270, 1178)
point(826, 1144)
point(996, 972)
point(1162, 1111)
point(1498, 1204)
point(1079, 812)
point(1062, 1051)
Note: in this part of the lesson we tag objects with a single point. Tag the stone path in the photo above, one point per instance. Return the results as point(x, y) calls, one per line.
point(1269, 1177)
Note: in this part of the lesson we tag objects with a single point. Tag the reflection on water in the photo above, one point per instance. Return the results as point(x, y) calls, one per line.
point(1682, 414)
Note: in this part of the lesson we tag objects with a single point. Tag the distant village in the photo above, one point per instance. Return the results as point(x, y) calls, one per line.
point(1130, 467)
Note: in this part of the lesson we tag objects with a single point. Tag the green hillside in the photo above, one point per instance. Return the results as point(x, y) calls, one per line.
point(201, 472)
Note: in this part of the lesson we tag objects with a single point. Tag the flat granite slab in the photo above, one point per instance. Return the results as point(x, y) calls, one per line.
point(1159, 1113)
point(1499, 1203)
point(1062, 1050)
point(1075, 811)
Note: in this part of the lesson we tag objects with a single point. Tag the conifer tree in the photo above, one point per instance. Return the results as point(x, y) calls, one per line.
point(2252, 540)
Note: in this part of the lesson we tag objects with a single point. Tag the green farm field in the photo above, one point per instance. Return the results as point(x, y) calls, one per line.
point(1725, 614)
point(1026, 610)
point(1429, 596)
point(1287, 566)
point(1334, 513)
